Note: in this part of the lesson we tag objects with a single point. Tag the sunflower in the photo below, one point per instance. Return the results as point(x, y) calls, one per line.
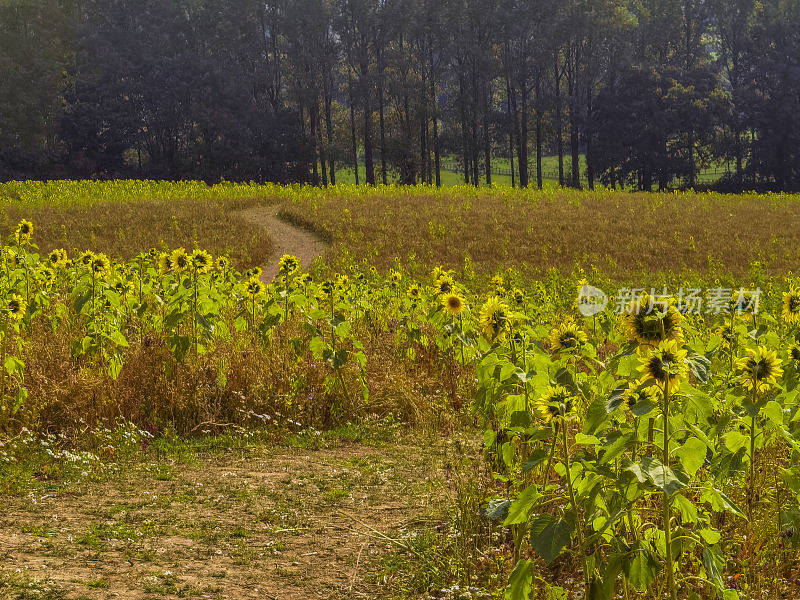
point(23, 232)
point(727, 336)
point(12, 259)
point(791, 306)
point(288, 265)
point(444, 284)
point(306, 278)
point(635, 394)
point(583, 283)
point(86, 258)
point(648, 323)
point(795, 353)
point(253, 287)
point(760, 369)
point(46, 275)
point(164, 263)
point(517, 297)
point(201, 261)
point(254, 272)
point(494, 318)
point(567, 337)
point(454, 304)
point(123, 288)
point(180, 260)
point(57, 258)
point(15, 307)
point(555, 404)
point(744, 301)
point(497, 284)
point(413, 292)
point(100, 264)
point(222, 263)
point(327, 287)
point(664, 363)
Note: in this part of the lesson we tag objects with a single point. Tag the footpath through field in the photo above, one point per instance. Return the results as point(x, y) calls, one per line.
point(286, 238)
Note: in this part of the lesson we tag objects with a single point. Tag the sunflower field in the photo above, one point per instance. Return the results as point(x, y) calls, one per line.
point(644, 452)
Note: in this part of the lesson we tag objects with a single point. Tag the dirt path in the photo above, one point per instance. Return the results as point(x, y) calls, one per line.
point(286, 238)
point(287, 523)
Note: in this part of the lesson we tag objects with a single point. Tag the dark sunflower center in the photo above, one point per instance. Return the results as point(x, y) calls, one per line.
point(659, 368)
point(760, 369)
point(568, 339)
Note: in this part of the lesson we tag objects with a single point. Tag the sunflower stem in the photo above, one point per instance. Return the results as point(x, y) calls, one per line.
point(579, 520)
point(666, 497)
point(461, 340)
point(546, 473)
point(751, 482)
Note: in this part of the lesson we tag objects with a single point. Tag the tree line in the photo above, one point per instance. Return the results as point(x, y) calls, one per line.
point(650, 92)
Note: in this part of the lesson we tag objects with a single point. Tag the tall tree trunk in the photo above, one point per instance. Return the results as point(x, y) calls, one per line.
point(437, 160)
point(510, 119)
point(369, 165)
point(464, 134)
point(381, 116)
point(559, 126)
point(487, 139)
point(589, 136)
point(739, 161)
point(315, 147)
point(321, 144)
point(353, 129)
point(537, 99)
point(524, 177)
point(329, 123)
point(573, 126)
point(474, 123)
point(423, 150)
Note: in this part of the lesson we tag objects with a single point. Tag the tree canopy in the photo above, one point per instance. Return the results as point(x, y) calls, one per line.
point(650, 92)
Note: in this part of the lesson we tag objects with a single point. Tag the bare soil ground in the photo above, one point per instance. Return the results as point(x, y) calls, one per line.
point(286, 238)
point(287, 523)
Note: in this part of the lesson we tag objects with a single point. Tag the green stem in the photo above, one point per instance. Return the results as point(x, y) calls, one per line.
point(194, 313)
point(578, 519)
point(666, 498)
point(461, 326)
point(546, 474)
point(286, 299)
point(751, 482)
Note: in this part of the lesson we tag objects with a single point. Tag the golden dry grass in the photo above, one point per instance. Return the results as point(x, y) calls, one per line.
point(124, 229)
point(237, 383)
point(620, 234)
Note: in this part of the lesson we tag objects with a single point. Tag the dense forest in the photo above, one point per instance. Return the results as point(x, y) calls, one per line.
point(650, 92)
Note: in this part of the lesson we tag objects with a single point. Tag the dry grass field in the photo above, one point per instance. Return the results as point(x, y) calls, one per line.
point(621, 235)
